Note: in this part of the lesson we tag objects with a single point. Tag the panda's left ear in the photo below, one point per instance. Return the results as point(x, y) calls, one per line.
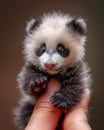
point(32, 25)
point(78, 25)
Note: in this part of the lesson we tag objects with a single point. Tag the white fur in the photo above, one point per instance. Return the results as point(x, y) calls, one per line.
point(52, 31)
point(54, 58)
point(29, 25)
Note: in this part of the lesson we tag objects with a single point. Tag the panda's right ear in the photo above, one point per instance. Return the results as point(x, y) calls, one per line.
point(32, 25)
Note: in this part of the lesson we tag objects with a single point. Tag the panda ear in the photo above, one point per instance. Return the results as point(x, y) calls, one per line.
point(78, 26)
point(32, 25)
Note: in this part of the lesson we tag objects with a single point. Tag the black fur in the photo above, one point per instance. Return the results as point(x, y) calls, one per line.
point(35, 25)
point(34, 79)
point(40, 51)
point(35, 82)
point(76, 27)
point(23, 114)
point(71, 86)
point(64, 52)
point(71, 89)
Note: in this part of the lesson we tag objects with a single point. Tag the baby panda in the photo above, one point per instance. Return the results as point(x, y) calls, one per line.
point(54, 47)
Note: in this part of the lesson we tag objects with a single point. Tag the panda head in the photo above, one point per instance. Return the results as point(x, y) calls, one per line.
point(55, 41)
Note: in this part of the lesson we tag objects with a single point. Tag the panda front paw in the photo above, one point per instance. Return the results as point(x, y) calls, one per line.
point(38, 84)
point(59, 101)
point(62, 101)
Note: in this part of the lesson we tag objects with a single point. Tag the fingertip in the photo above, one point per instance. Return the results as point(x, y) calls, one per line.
point(44, 111)
point(76, 119)
point(87, 92)
point(53, 86)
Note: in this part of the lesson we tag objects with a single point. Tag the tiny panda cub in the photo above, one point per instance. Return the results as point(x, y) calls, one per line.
point(54, 47)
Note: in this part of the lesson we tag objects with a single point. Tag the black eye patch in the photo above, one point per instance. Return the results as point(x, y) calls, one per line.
point(40, 51)
point(64, 52)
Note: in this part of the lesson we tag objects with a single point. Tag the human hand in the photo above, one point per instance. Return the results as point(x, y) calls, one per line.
point(45, 116)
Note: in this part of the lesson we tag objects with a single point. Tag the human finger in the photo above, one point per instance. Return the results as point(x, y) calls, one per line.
point(76, 119)
point(45, 116)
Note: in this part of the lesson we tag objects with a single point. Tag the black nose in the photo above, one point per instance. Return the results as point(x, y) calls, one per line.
point(50, 66)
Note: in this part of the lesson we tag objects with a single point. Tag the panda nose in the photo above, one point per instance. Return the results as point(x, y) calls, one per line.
point(50, 66)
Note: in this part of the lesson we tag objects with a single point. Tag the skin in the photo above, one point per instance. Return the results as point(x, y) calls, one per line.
point(46, 117)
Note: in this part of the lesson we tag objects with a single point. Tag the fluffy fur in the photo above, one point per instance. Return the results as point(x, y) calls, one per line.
point(53, 48)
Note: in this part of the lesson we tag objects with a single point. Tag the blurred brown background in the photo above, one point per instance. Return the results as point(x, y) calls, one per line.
point(13, 17)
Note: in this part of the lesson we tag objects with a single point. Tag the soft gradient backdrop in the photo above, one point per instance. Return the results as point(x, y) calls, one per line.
point(13, 17)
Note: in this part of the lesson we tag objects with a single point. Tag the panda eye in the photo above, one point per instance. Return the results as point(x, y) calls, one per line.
point(64, 52)
point(40, 51)
point(60, 48)
point(43, 48)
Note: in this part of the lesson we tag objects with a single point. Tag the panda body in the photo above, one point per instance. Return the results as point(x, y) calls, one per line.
point(54, 47)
